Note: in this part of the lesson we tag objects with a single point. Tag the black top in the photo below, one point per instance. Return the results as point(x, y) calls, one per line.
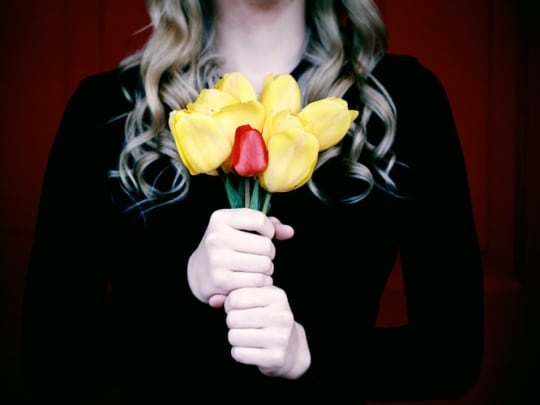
point(108, 308)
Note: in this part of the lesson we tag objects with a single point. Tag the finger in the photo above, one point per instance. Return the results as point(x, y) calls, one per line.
point(245, 219)
point(258, 357)
point(246, 318)
point(247, 242)
point(233, 281)
point(257, 338)
point(247, 355)
point(239, 241)
point(244, 298)
point(246, 338)
point(248, 263)
point(281, 231)
point(217, 300)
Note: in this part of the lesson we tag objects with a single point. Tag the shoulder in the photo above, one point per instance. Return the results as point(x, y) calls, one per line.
point(405, 77)
point(111, 81)
point(96, 110)
point(395, 66)
point(424, 111)
point(107, 94)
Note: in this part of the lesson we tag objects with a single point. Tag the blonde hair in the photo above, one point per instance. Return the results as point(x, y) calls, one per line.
point(345, 41)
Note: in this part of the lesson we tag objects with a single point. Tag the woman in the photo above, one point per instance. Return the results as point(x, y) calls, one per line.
point(144, 284)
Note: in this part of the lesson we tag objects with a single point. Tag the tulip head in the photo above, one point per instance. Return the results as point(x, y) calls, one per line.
point(201, 142)
point(235, 115)
point(237, 85)
point(269, 141)
point(280, 122)
point(249, 154)
point(328, 119)
point(292, 156)
point(210, 101)
point(280, 93)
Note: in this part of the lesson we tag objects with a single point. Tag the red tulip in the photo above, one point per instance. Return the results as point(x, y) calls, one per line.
point(249, 154)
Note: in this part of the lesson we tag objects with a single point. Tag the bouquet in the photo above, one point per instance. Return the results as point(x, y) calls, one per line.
point(259, 145)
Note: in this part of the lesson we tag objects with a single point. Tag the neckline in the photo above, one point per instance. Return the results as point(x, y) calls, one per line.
point(300, 68)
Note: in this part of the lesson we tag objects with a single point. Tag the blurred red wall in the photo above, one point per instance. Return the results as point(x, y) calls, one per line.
point(474, 46)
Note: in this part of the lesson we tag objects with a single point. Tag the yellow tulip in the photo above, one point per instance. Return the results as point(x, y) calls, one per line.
point(200, 140)
point(280, 93)
point(328, 119)
point(210, 101)
point(280, 122)
point(237, 85)
point(235, 115)
point(204, 133)
point(292, 156)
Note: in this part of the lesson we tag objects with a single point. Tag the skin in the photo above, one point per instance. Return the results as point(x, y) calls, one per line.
point(258, 37)
point(232, 266)
point(232, 269)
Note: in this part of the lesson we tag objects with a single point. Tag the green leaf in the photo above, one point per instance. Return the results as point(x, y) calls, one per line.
point(266, 203)
point(254, 200)
point(235, 198)
point(241, 190)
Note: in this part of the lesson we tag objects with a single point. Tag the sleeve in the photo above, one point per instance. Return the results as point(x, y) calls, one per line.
point(64, 312)
point(437, 355)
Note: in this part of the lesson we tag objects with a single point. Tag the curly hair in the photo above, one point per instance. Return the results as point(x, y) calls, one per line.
point(345, 41)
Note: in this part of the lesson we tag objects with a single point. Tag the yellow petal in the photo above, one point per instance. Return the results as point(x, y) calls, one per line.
point(200, 141)
point(235, 115)
point(210, 101)
point(328, 119)
point(280, 122)
point(237, 85)
point(292, 156)
point(280, 92)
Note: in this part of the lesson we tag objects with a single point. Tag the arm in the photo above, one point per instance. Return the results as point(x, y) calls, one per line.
point(264, 333)
point(232, 267)
point(63, 344)
point(437, 355)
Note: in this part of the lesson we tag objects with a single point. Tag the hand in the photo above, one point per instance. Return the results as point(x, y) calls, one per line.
point(263, 332)
point(236, 251)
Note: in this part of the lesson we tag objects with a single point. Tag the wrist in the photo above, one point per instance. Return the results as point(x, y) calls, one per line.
point(299, 359)
point(302, 358)
point(193, 280)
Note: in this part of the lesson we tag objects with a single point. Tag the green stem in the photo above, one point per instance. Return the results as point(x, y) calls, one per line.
point(266, 203)
point(254, 202)
point(247, 191)
point(232, 195)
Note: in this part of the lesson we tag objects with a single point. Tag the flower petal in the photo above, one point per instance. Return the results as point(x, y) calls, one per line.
point(280, 92)
point(249, 155)
point(210, 101)
point(235, 115)
point(200, 141)
point(328, 119)
point(292, 156)
point(237, 85)
point(280, 122)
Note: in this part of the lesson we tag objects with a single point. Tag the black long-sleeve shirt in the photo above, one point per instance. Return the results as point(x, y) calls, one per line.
point(108, 308)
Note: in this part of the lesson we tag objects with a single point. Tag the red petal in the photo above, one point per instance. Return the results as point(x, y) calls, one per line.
point(249, 154)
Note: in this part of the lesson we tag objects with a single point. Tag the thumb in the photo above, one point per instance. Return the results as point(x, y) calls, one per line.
point(281, 231)
point(217, 300)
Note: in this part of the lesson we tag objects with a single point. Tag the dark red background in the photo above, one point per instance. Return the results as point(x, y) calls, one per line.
point(484, 51)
